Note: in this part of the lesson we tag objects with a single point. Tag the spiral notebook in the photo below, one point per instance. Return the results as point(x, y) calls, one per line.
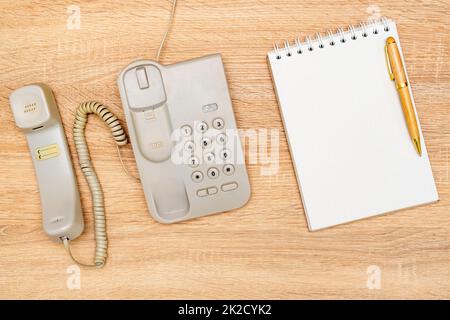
point(347, 135)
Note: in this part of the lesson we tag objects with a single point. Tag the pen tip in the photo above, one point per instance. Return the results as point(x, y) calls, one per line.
point(418, 146)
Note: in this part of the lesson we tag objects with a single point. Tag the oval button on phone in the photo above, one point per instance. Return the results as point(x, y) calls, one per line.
point(212, 190)
point(202, 192)
point(229, 186)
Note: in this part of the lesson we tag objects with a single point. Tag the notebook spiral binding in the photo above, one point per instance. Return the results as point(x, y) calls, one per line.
point(364, 29)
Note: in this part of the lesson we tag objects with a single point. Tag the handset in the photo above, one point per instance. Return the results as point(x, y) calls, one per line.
point(147, 101)
point(35, 112)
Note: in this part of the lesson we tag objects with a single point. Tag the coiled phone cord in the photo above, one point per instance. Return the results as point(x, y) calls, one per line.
point(81, 117)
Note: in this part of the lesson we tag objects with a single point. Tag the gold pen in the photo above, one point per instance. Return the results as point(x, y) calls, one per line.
point(397, 72)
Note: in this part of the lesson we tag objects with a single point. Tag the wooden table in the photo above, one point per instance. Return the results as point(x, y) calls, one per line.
point(263, 250)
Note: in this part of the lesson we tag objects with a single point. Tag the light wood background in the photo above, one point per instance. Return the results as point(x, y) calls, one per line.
point(263, 250)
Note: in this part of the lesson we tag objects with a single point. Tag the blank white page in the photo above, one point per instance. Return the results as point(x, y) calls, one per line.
point(347, 135)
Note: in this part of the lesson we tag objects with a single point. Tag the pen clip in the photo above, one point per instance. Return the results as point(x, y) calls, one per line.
point(388, 63)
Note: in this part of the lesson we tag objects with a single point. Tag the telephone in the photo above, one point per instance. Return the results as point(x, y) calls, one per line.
point(184, 137)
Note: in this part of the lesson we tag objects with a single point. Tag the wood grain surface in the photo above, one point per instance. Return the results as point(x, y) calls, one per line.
point(263, 250)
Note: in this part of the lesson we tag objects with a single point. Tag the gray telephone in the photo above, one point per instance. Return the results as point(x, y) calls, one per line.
point(184, 138)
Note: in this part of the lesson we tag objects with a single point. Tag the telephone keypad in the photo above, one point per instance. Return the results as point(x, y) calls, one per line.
point(208, 143)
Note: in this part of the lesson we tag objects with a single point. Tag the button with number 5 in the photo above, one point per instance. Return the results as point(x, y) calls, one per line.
point(205, 142)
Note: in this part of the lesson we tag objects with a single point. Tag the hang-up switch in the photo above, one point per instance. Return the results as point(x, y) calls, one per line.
point(142, 79)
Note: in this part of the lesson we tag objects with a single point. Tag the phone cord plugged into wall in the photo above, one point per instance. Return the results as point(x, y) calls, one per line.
point(81, 117)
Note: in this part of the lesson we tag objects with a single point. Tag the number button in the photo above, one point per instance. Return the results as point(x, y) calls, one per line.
point(186, 130)
point(228, 169)
point(225, 154)
point(218, 123)
point(202, 127)
point(189, 146)
point(197, 176)
point(193, 162)
point(209, 157)
point(205, 142)
point(213, 173)
point(221, 138)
